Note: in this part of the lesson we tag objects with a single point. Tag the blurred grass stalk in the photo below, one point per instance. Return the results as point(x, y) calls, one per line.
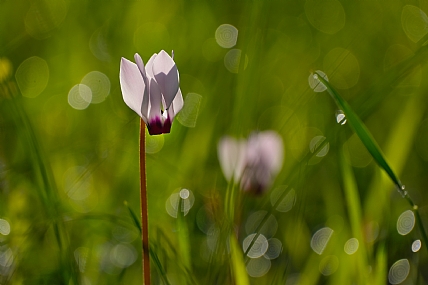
point(369, 142)
point(144, 205)
point(46, 184)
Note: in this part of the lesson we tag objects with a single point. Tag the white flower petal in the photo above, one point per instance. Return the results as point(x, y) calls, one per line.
point(231, 156)
point(155, 101)
point(145, 103)
point(141, 67)
point(149, 66)
point(176, 106)
point(271, 150)
point(132, 85)
point(166, 74)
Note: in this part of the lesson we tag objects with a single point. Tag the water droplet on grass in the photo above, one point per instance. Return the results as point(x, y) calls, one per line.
point(340, 117)
point(416, 245)
point(315, 83)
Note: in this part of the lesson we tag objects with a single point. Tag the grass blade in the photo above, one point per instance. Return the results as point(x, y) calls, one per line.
point(363, 133)
point(238, 266)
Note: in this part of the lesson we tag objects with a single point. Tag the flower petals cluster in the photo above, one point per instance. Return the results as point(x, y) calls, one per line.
point(253, 163)
point(152, 90)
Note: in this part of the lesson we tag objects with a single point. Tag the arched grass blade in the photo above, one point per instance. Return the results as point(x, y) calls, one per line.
point(362, 132)
point(371, 145)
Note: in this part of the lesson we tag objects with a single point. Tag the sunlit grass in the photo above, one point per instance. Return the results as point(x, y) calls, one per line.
point(69, 178)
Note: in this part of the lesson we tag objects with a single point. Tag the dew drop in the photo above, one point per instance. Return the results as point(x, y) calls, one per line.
point(315, 83)
point(340, 117)
point(416, 245)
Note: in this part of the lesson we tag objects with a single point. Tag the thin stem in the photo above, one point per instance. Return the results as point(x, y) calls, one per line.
point(144, 205)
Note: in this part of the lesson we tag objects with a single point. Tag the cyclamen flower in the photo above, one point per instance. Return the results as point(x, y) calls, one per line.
point(152, 91)
point(253, 163)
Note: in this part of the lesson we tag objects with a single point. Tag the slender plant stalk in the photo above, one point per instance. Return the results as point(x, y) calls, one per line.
point(144, 205)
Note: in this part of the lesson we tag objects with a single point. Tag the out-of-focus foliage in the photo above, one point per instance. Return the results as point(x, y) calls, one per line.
point(69, 144)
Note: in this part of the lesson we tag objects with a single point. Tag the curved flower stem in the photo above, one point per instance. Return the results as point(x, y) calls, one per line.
point(144, 205)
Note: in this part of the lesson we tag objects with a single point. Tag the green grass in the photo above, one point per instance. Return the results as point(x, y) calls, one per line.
point(65, 173)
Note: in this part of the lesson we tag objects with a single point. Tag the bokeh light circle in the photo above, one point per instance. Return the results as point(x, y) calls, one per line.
point(399, 271)
point(329, 265)
point(182, 201)
point(6, 258)
point(257, 267)
point(320, 239)
point(189, 114)
point(351, 246)
point(99, 84)
point(269, 227)
point(32, 76)
point(315, 143)
point(406, 222)
point(232, 60)
point(274, 249)
point(226, 36)
point(80, 96)
point(259, 246)
point(123, 255)
point(328, 16)
point(4, 227)
point(287, 201)
point(414, 22)
point(343, 68)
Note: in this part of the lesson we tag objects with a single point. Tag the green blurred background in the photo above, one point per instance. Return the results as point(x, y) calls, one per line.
point(69, 145)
